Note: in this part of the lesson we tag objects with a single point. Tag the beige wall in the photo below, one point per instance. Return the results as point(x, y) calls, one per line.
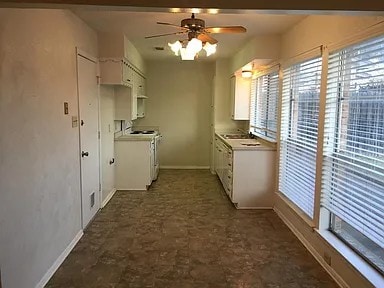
point(39, 161)
point(318, 30)
point(116, 45)
point(180, 95)
point(133, 55)
point(307, 34)
point(260, 47)
point(222, 98)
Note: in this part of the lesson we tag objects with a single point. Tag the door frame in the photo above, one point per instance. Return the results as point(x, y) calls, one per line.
point(88, 56)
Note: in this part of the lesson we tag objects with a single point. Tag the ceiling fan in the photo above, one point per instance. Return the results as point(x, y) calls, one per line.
point(195, 28)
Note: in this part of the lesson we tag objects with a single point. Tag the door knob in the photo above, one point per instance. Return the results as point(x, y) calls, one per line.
point(84, 153)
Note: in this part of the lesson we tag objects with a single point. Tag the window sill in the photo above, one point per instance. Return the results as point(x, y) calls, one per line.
point(365, 269)
point(263, 137)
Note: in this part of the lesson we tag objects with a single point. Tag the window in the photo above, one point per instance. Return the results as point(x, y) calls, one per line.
point(264, 98)
point(353, 172)
point(298, 140)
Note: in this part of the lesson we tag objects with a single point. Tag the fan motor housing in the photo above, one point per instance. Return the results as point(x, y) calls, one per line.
point(193, 23)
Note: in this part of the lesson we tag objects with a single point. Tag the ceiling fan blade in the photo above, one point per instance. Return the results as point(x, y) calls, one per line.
point(173, 25)
point(167, 34)
point(206, 38)
point(226, 29)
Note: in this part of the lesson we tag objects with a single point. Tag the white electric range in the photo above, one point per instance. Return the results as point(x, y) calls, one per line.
point(137, 159)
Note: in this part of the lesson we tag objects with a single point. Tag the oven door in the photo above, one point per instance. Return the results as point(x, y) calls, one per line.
point(156, 157)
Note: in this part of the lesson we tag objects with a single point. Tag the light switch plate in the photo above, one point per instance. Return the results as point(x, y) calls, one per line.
point(66, 111)
point(74, 121)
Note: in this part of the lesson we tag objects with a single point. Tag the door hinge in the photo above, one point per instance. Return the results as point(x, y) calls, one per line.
point(98, 134)
point(100, 187)
point(98, 80)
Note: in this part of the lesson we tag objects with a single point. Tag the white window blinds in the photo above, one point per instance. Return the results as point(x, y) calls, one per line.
point(353, 172)
point(264, 100)
point(298, 140)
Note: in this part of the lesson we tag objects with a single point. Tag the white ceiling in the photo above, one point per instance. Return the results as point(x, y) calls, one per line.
point(136, 25)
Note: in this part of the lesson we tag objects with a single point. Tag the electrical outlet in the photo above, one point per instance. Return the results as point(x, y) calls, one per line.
point(327, 258)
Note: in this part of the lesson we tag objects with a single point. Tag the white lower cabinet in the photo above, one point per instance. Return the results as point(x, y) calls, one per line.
point(134, 162)
point(248, 176)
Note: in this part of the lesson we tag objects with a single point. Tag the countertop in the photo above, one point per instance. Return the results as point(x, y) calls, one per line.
point(238, 144)
point(135, 137)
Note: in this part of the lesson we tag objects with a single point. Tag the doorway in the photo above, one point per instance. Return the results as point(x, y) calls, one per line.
point(88, 93)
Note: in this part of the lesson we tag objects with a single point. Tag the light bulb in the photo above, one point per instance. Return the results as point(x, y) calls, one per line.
point(175, 47)
point(209, 48)
point(194, 46)
point(186, 55)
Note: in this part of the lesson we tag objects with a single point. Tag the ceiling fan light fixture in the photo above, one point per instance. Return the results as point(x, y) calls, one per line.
point(210, 48)
point(175, 47)
point(187, 55)
point(194, 46)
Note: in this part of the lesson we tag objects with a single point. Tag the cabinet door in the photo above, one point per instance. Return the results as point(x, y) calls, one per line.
point(233, 95)
point(220, 161)
point(143, 89)
point(123, 102)
point(217, 154)
point(127, 73)
point(134, 94)
point(140, 85)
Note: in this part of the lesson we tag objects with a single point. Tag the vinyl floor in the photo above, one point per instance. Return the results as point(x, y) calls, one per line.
point(184, 232)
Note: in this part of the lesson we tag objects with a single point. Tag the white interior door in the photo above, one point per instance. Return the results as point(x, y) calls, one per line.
point(89, 140)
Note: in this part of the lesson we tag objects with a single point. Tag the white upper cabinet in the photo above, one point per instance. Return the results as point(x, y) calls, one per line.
point(141, 96)
point(121, 64)
point(123, 103)
point(240, 97)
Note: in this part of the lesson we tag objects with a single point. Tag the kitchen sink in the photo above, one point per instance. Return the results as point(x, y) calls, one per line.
point(235, 136)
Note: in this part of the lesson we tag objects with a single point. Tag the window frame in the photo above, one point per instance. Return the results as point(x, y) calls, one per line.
point(265, 132)
point(332, 136)
point(286, 132)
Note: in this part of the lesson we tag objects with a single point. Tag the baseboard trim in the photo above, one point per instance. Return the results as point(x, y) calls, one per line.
point(254, 208)
point(311, 249)
point(184, 167)
point(109, 197)
point(59, 261)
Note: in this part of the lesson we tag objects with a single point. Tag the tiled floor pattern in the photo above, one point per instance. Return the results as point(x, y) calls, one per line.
point(184, 232)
